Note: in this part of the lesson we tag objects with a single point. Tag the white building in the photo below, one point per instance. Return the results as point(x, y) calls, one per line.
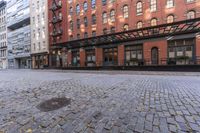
point(3, 36)
point(39, 33)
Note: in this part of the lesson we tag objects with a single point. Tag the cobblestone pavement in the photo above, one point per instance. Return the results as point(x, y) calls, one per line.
point(100, 102)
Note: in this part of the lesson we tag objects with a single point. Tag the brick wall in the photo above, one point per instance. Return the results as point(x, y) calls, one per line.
point(121, 55)
point(82, 57)
point(162, 49)
point(198, 46)
point(161, 14)
point(99, 56)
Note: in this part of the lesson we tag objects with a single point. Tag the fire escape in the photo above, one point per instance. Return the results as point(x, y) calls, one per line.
point(56, 20)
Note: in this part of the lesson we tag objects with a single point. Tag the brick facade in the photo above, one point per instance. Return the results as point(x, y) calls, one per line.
point(161, 14)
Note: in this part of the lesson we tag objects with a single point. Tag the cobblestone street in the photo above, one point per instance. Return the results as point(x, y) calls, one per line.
point(101, 102)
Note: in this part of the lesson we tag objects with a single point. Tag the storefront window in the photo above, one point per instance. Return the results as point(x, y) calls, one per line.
point(75, 58)
point(180, 51)
point(90, 57)
point(134, 55)
point(110, 56)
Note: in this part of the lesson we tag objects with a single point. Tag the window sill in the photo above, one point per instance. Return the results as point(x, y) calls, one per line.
point(170, 7)
point(139, 14)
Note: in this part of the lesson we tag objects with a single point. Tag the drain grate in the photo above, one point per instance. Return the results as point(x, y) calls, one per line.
point(53, 104)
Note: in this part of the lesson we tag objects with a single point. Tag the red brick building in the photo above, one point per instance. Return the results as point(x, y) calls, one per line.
point(124, 33)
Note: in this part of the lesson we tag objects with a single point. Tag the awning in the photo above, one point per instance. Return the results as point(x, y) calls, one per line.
point(185, 36)
point(164, 30)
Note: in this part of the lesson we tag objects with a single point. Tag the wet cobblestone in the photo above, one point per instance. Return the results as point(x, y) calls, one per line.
point(100, 102)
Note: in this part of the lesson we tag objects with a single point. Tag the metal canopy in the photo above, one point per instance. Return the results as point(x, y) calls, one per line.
point(176, 28)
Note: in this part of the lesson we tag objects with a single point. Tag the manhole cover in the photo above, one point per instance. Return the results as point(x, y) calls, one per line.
point(53, 104)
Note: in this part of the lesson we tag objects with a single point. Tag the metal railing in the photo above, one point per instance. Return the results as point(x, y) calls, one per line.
point(141, 62)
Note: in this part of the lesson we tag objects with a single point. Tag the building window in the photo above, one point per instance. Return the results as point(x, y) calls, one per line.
point(93, 4)
point(139, 8)
point(104, 2)
point(153, 22)
point(70, 1)
point(77, 9)
point(71, 11)
point(153, 5)
point(71, 25)
point(125, 11)
point(134, 55)
point(104, 17)
point(71, 37)
point(125, 27)
point(85, 35)
point(90, 57)
point(170, 19)
point(93, 19)
point(112, 1)
point(112, 15)
point(93, 33)
point(139, 24)
point(112, 29)
point(85, 6)
point(85, 21)
point(180, 51)
point(105, 31)
point(188, 1)
point(170, 3)
point(78, 36)
point(78, 23)
point(191, 15)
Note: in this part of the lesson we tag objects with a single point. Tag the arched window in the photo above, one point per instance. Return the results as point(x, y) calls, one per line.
point(125, 11)
point(71, 37)
point(104, 17)
point(105, 31)
point(93, 4)
point(170, 19)
point(153, 22)
point(70, 10)
point(85, 6)
point(139, 24)
point(104, 2)
point(93, 33)
point(78, 36)
point(112, 29)
point(77, 9)
point(191, 15)
point(112, 15)
point(139, 8)
point(125, 27)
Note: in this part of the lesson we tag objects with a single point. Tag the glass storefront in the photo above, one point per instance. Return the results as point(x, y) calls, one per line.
point(90, 57)
point(181, 51)
point(134, 55)
point(76, 58)
point(40, 61)
point(110, 56)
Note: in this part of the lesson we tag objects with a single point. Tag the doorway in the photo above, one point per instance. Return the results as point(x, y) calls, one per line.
point(110, 56)
point(154, 56)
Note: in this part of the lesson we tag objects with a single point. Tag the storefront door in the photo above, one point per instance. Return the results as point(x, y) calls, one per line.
point(110, 56)
point(154, 56)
